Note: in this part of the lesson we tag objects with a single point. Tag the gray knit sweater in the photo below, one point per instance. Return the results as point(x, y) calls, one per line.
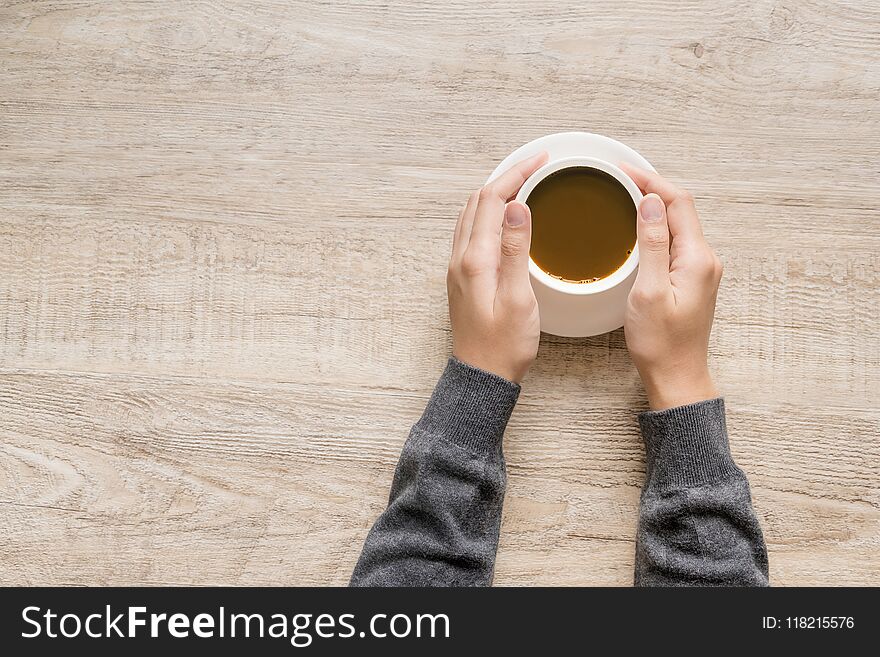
point(696, 524)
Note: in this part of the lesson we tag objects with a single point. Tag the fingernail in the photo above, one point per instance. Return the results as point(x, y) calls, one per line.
point(651, 209)
point(516, 214)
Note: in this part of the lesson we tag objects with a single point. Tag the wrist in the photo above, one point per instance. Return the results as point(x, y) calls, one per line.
point(678, 387)
point(469, 407)
point(511, 371)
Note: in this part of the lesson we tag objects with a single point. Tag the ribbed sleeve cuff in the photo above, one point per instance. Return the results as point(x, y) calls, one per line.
point(687, 445)
point(470, 407)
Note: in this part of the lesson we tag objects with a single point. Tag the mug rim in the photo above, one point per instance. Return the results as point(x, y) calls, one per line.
point(629, 265)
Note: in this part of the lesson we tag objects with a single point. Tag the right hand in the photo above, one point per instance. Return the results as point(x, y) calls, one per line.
point(492, 308)
point(672, 303)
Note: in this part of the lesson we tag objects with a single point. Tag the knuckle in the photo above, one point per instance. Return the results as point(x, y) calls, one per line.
point(487, 192)
point(643, 295)
point(656, 239)
point(524, 297)
point(705, 263)
point(519, 303)
point(511, 248)
point(471, 264)
point(685, 196)
point(717, 266)
point(454, 279)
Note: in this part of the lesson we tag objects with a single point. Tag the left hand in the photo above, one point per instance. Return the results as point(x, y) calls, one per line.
point(494, 314)
point(672, 303)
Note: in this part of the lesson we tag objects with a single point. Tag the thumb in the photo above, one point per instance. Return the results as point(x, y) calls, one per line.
point(516, 237)
point(653, 235)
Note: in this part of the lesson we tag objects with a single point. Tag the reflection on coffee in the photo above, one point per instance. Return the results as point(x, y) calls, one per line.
point(583, 224)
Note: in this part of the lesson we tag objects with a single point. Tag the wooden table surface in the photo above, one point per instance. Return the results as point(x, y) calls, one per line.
point(224, 229)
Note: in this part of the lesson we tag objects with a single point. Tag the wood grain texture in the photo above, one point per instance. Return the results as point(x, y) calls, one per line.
point(223, 236)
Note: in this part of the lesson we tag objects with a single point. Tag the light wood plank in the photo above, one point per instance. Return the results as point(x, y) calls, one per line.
point(197, 481)
point(223, 236)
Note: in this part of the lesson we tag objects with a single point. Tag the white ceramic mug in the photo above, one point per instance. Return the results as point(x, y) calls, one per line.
point(610, 292)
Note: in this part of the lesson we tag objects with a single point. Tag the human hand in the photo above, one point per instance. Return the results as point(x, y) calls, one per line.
point(492, 307)
point(672, 303)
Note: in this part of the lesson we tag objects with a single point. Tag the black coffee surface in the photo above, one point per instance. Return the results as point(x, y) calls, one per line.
point(583, 224)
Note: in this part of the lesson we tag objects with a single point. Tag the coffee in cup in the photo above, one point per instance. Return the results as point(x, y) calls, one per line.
point(583, 224)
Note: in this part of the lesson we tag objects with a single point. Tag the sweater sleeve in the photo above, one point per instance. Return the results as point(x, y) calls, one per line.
point(696, 525)
point(444, 512)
